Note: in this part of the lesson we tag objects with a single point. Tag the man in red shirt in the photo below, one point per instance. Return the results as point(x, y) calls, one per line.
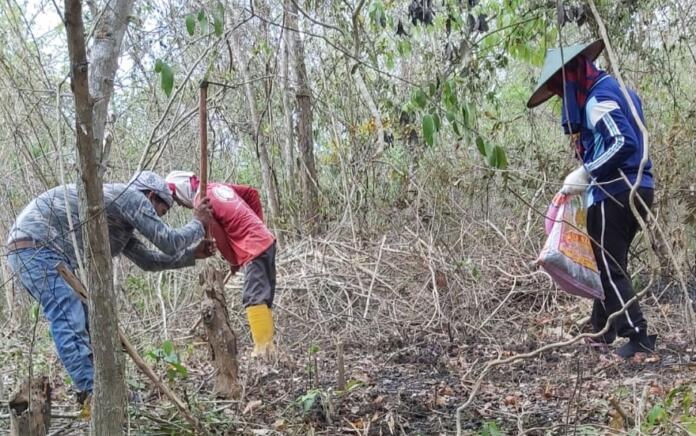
point(244, 241)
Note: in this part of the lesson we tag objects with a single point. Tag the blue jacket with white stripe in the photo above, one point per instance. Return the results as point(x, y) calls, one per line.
point(612, 140)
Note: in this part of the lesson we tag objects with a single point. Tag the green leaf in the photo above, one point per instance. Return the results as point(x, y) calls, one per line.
point(419, 98)
point(190, 24)
point(377, 15)
point(490, 152)
point(313, 349)
point(307, 400)
point(672, 395)
point(490, 429)
point(500, 158)
point(436, 119)
point(465, 117)
point(389, 60)
point(178, 368)
point(308, 403)
point(217, 26)
point(451, 117)
point(167, 79)
point(203, 21)
point(158, 66)
point(496, 157)
point(481, 145)
point(35, 312)
point(404, 47)
point(168, 347)
point(429, 129)
point(432, 89)
point(353, 384)
point(218, 19)
point(689, 423)
point(656, 415)
point(449, 96)
point(687, 401)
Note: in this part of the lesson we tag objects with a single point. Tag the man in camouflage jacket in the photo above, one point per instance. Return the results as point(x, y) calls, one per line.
point(41, 238)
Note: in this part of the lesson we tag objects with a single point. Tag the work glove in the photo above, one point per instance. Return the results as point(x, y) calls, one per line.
point(576, 182)
point(260, 319)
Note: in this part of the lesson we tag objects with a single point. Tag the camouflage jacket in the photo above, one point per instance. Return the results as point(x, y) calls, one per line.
point(45, 221)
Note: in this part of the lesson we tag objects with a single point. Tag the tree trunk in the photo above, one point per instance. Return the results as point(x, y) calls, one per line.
point(305, 134)
point(221, 337)
point(289, 144)
point(30, 408)
point(103, 62)
point(108, 400)
point(260, 138)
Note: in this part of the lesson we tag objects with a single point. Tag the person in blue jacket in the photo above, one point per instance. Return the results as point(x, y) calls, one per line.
point(609, 143)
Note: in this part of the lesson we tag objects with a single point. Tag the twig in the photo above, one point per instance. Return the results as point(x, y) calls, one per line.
point(341, 382)
point(162, 306)
point(374, 276)
point(512, 291)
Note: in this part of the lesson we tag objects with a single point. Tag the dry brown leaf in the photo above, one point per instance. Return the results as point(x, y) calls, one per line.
point(616, 422)
point(279, 424)
point(377, 402)
point(639, 358)
point(510, 400)
point(548, 391)
point(446, 390)
point(656, 390)
point(251, 406)
point(652, 358)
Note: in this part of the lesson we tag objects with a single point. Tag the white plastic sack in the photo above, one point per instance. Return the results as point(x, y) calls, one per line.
point(567, 255)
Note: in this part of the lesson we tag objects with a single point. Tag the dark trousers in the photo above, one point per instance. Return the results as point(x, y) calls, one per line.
point(612, 227)
point(260, 279)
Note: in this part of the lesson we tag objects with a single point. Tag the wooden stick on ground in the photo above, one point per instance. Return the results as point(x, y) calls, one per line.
point(81, 291)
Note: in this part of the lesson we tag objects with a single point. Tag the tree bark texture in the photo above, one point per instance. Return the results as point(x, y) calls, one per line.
point(305, 134)
point(103, 62)
point(108, 400)
point(289, 143)
point(221, 337)
point(30, 408)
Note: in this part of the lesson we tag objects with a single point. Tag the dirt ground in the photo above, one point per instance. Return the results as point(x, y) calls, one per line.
point(410, 360)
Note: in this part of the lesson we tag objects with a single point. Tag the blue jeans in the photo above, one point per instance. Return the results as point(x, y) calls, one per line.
point(67, 315)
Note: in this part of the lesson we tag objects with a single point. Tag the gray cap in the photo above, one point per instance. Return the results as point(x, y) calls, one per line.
point(149, 181)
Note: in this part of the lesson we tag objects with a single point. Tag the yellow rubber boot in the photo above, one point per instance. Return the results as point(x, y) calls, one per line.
point(261, 324)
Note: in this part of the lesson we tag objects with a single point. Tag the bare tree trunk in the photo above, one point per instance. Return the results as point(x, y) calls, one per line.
point(108, 401)
point(289, 145)
point(30, 408)
point(305, 134)
point(221, 337)
point(103, 61)
point(260, 138)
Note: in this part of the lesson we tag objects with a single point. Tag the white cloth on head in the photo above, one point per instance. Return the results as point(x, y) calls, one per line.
point(149, 181)
point(181, 183)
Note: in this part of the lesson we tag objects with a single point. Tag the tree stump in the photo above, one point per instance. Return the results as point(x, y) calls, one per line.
point(221, 337)
point(30, 409)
